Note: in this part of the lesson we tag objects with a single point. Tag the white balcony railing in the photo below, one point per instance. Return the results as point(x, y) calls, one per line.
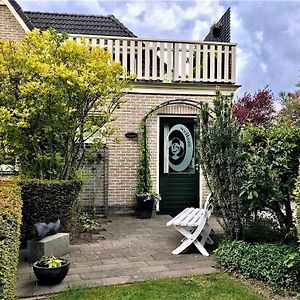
point(170, 61)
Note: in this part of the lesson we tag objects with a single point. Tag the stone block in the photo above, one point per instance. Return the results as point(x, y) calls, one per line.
point(57, 245)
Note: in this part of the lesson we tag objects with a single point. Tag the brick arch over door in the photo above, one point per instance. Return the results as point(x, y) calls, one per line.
point(174, 106)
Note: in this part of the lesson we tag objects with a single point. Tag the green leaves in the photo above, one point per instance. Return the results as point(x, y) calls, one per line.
point(53, 93)
point(271, 155)
point(10, 220)
point(221, 158)
point(276, 264)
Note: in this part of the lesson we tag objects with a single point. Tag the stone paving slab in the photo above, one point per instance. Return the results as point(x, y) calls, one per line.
point(133, 250)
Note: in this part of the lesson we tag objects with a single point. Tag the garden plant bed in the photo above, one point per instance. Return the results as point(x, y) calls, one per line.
point(80, 234)
point(261, 287)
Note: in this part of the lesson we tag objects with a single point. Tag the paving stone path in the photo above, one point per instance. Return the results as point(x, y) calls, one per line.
point(133, 250)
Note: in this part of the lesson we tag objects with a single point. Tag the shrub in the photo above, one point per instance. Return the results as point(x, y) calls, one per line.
point(10, 220)
point(262, 230)
point(297, 197)
point(272, 158)
point(220, 151)
point(276, 264)
point(46, 201)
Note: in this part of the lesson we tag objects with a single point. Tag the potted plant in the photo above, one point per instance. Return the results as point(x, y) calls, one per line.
point(145, 204)
point(51, 270)
point(216, 29)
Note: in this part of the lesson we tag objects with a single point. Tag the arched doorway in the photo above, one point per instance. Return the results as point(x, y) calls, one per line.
point(178, 166)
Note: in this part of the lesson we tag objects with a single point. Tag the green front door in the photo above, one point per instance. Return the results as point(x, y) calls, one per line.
point(178, 168)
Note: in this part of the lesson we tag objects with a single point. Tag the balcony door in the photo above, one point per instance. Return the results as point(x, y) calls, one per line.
point(178, 168)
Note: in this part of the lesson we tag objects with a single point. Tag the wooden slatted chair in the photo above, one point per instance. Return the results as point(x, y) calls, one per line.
point(192, 223)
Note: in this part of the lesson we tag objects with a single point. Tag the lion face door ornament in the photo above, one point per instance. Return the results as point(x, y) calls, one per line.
point(179, 150)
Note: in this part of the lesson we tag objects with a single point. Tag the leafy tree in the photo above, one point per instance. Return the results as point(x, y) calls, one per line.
point(55, 95)
point(220, 151)
point(272, 157)
point(290, 112)
point(258, 109)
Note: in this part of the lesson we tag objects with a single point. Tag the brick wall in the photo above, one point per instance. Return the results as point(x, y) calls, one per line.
point(10, 29)
point(123, 158)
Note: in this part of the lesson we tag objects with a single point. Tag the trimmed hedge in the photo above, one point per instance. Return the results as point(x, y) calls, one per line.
point(276, 264)
point(46, 201)
point(10, 220)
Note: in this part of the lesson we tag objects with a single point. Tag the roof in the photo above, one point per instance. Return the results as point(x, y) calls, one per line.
point(21, 13)
point(79, 24)
point(225, 30)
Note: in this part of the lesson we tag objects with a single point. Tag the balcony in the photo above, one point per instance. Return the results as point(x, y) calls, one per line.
point(170, 61)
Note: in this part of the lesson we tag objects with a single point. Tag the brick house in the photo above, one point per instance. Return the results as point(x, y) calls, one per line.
point(173, 76)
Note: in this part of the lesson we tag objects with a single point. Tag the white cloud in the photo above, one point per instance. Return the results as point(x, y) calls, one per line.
point(200, 29)
point(164, 17)
point(259, 35)
point(264, 67)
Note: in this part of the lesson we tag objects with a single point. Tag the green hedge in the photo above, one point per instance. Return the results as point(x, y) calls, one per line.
point(276, 264)
point(10, 220)
point(46, 201)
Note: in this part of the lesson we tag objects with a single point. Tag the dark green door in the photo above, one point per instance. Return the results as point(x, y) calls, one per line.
point(178, 168)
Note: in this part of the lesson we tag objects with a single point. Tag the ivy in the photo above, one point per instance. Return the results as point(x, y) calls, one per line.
point(144, 174)
point(276, 264)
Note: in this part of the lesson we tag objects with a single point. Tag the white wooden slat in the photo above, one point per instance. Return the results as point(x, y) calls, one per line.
point(94, 42)
point(185, 221)
point(171, 222)
point(162, 61)
point(154, 60)
point(212, 63)
point(197, 220)
point(176, 62)
point(198, 65)
point(101, 43)
point(226, 64)
point(124, 55)
point(182, 216)
point(147, 61)
point(139, 59)
point(110, 46)
point(78, 40)
point(132, 57)
point(183, 62)
point(169, 62)
point(219, 63)
point(233, 64)
point(191, 62)
point(205, 62)
point(117, 51)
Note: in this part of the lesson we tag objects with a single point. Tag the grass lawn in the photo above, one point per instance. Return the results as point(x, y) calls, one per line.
point(215, 286)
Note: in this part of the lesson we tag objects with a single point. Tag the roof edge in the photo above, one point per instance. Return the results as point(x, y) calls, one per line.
point(19, 14)
point(120, 23)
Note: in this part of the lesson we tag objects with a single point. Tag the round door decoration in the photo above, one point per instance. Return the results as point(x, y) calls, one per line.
point(181, 147)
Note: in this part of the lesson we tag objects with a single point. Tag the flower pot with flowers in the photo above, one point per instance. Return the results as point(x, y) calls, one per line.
point(51, 270)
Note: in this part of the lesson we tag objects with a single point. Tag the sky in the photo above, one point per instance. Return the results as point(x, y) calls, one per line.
point(266, 32)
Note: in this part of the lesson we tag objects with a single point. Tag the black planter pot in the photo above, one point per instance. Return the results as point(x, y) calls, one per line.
point(144, 206)
point(50, 276)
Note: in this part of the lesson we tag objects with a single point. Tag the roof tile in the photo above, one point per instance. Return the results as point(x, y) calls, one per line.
point(79, 24)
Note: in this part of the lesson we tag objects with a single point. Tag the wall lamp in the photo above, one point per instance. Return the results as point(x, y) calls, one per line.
point(131, 135)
